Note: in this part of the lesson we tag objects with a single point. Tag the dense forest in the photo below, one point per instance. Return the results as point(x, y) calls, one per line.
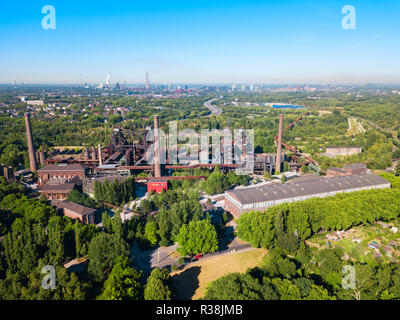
point(115, 192)
point(34, 235)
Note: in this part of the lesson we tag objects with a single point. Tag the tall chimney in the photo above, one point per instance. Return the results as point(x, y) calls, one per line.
point(100, 156)
point(279, 146)
point(42, 157)
point(147, 81)
point(93, 153)
point(37, 155)
point(31, 148)
point(157, 168)
point(86, 154)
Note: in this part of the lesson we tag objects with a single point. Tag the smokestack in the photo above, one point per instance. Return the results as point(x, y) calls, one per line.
point(37, 158)
point(31, 148)
point(157, 168)
point(86, 154)
point(279, 146)
point(9, 173)
point(128, 156)
point(42, 157)
point(147, 81)
point(100, 156)
point(93, 153)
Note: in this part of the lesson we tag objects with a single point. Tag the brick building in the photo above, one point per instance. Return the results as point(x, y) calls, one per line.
point(335, 172)
point(57, 191)
point(355, 168)
point(73, 210)
point(58, 172)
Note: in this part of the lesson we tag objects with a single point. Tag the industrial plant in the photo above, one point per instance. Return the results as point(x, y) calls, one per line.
point(121, 159)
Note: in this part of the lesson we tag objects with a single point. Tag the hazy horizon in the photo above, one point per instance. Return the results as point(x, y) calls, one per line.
point(200, 42)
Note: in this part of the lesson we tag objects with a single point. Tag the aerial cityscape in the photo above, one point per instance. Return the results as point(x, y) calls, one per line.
point(199, 151)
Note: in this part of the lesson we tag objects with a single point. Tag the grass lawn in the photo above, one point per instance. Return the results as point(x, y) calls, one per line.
point(191, 283)
point(354, 128)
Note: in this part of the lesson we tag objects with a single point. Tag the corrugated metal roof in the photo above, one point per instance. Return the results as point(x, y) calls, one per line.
point(315, 186)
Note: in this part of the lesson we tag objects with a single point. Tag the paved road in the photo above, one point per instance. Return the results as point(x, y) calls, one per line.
point(148, 259)
point(358, 125)
point(214, 110)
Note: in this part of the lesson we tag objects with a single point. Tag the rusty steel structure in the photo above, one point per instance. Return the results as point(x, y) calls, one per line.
point(119, 147)
point(122, 157)
point(172, 178)
point(296, 153)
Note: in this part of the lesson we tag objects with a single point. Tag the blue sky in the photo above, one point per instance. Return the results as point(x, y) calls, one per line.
point(207, 41)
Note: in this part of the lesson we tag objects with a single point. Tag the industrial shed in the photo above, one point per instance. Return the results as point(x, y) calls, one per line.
point(263, 197)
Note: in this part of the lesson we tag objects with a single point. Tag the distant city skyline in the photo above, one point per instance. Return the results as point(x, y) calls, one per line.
point(200, 42)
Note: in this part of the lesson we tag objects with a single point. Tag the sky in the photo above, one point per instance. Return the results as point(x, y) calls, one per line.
point(201, 41)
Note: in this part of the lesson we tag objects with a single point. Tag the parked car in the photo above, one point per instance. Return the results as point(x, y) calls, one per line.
point(197, 257)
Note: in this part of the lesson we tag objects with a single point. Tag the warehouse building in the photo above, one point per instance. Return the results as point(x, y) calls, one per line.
point(355, 168)
point(52, 173)
point(263, 197)
point(57, 191)
point(75, 211)
point(334, 152)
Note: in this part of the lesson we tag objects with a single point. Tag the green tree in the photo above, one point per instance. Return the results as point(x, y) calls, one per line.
point(286, 167)
point(319, 293)
point(236, 286)
point(117, 225)
point(123, 283)
point(103, 250)
point(106, 221)
point(286, 289)
point(197, 237)
point(150, 233)
point(158, 285)
point(78, 239)
point(56, 240)
point(147, 206)
point(164, 226)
